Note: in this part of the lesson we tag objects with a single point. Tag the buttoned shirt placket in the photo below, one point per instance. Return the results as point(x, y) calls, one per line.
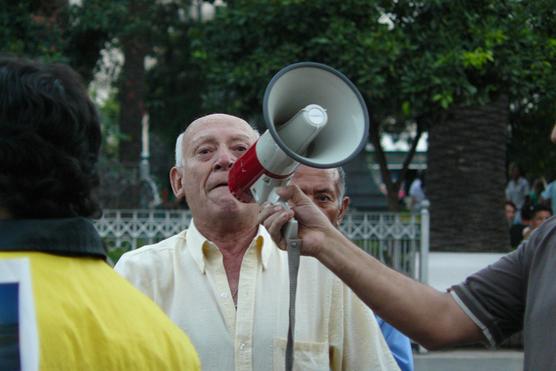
point(240, 322)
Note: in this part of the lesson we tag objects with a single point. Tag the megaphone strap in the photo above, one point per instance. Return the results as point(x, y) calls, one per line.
point(294, 252)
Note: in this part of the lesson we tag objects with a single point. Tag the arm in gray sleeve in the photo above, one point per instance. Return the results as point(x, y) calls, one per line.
point(494, 297)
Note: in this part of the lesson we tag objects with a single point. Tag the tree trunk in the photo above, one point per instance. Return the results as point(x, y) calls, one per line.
point(466, 177)
point(135, 43)
point(132, 87)
point(392, 188)
point(135, 46)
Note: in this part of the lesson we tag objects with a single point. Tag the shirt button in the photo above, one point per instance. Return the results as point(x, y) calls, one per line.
point(223, 295)
point(241, 346)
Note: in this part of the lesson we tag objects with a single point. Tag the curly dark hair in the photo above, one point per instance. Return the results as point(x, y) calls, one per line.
point(49, 141)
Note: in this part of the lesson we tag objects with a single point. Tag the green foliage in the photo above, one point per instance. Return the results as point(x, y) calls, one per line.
point(57, 32)
point(530, 146)
point(26, 31)
point(111, 136)
point(477, 58)
point(410, 59)
point(406, 57)
point(173, 85)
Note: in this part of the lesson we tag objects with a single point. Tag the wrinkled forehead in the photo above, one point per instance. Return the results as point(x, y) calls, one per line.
point(308, 177)
point(218, 125)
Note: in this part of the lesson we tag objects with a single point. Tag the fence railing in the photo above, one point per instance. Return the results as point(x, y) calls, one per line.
point(397, 239)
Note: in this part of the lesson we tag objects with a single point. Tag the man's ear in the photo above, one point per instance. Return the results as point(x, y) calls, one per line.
point(176, 182)
point(343, 208)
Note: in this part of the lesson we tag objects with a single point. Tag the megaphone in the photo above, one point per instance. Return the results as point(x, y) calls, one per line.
point(314, 116)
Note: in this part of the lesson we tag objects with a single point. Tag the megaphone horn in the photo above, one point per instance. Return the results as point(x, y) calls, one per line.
point(314, 116)
point(301, 84)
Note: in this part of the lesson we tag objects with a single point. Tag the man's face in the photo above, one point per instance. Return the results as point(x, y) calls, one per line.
point(539, 218)
point(210, 146)
point(322, 186)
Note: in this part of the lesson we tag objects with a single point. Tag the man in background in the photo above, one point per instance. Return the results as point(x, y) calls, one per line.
point(327, 188)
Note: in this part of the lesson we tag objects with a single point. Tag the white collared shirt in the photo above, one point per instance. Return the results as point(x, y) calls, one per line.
point(185, 275)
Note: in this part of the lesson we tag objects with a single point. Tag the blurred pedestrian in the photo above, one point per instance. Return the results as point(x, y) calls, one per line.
point(509, 211)
point(516, 230)
point(538, 215)
point(517, 189)
point(417, 191)
point(538, 187)
point(548, 196)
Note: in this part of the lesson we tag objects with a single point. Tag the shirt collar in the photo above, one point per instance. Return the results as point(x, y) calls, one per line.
point(201, 248)
point(64, 236)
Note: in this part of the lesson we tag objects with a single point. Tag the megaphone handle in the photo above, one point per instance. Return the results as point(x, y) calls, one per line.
point(290, 230)
point(290, 234)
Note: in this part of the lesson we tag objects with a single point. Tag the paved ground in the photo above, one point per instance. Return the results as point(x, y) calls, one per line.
point(469, 360)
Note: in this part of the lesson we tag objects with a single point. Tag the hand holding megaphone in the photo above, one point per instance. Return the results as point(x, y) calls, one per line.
point(314, 116)
point(315, 229)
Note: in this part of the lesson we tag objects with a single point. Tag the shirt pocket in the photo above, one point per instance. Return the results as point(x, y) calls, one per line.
point(308, 356)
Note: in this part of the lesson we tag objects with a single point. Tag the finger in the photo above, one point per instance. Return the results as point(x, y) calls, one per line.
point(274, 225)
point(269, 217)
point(276, 221)
point(266, 211)
point(294, 194)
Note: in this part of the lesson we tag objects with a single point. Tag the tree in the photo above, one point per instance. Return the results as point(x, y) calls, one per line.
point(529, 145)
point(152, 37)
point(55, 31)
point(477, 59)
point(248, 42)
point(173, 97)
point(452, 67)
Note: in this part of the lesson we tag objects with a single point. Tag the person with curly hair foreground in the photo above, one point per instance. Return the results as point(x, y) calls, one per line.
point(88, 317)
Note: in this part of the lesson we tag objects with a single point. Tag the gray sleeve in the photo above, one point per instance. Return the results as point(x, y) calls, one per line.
point(494, 297)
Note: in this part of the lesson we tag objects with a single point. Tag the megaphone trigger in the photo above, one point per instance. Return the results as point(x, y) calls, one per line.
point(290, 229)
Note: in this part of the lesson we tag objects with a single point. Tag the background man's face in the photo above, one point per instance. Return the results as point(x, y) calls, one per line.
point(322, 186)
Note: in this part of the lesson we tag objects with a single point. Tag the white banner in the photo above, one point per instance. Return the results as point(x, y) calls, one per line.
point(19, 343)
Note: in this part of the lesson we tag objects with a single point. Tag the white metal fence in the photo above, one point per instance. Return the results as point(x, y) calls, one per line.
point(396, 239)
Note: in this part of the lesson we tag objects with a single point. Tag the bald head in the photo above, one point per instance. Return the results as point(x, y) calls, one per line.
point(197, 125)
point(205, 153)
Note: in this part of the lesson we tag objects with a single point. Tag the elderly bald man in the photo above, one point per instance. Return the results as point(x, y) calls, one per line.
point(225, 282)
